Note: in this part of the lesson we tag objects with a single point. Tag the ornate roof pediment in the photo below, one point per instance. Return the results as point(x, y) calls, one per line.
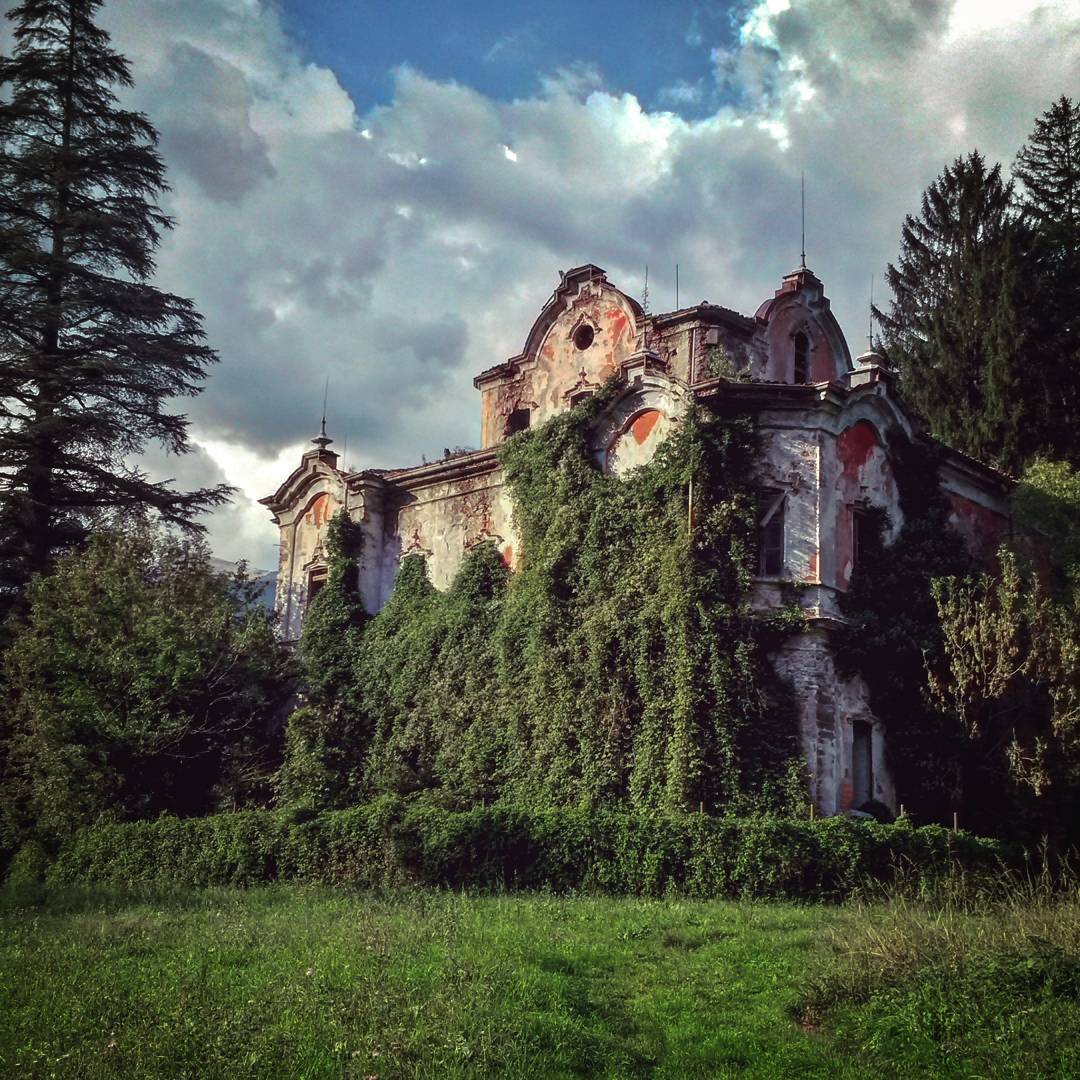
point(576, 287)
point(802, 288)
point(315, 466)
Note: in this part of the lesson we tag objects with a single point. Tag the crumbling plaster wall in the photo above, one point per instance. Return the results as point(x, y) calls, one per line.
point(444, 518)
point(780, 336)
point(541, 382)
point(827, 464)
point(829, 706)
point(302, 531)
point(977, 515)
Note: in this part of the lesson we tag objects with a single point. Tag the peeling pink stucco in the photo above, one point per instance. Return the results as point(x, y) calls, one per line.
point(822, 458)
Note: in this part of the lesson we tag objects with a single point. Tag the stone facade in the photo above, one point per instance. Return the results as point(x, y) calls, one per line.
point(824, 425)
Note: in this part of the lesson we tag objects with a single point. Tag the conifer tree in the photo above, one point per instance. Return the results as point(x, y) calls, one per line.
point(90, 352)
point(1048, 168)
point(1048, 171)
point(956, 326)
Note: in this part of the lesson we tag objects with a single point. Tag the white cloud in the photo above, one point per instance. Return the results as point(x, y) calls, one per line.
point(396, 253)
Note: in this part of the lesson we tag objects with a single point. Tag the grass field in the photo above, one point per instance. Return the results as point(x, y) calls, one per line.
point(286, 982)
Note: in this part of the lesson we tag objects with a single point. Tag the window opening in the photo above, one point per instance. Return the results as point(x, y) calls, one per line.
point(517, 421)
point(860, 534)
point(579, 397)
point(802, 358)
point(583, 336)
point(771, 534)
point(862, 763)
point(316, 581)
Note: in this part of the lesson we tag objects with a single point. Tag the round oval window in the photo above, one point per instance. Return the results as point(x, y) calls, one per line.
point(583, 336)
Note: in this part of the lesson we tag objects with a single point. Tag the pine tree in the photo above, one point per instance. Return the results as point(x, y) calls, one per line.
point(956, 326)
point(1048, 171)
point(90, 351)
point(1048, 168)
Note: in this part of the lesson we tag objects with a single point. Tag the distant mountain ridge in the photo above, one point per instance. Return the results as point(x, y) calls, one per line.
point(265, 579)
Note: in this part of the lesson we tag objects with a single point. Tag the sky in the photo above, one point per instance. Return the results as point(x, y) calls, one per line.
point(383, 195)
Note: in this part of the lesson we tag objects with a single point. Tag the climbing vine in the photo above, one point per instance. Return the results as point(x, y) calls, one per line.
point(893, 632)
point(326, 737)
point(619, 665)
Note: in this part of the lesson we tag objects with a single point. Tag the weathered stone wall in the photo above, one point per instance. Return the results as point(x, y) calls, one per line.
point(828, 709)
point(822, 451)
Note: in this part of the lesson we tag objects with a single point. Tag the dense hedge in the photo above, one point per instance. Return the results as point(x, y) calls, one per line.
point(391, 843)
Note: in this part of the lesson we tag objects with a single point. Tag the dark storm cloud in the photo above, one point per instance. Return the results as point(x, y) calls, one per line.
point(206, 130)
point(401, 251)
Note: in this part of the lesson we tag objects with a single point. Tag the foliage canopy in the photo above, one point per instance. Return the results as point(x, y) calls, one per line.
point(139, 682)
point(90, 352)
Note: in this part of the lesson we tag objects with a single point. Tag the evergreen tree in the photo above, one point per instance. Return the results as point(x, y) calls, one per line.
point(1048, 171)
point(956, 326)
point(1048, 168)
point(90, 352)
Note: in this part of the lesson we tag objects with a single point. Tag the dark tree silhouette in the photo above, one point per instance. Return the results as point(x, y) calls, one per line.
point(956, 327)
point(91, 354)
point(1048, 172)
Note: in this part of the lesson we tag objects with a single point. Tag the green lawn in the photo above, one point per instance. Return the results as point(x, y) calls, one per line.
point(285, 982)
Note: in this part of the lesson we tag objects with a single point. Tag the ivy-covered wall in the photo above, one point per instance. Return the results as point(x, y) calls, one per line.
point(576, 614)
point(620, 664)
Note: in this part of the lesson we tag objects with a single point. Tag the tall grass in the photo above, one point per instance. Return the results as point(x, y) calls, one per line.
point(978, 975)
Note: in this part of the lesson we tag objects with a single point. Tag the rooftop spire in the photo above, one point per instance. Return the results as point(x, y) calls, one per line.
point(322, 441)
point(802, 195)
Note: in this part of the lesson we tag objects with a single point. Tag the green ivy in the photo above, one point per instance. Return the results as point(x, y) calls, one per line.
point(326, 737)
point(620, 665)
point(893, 632)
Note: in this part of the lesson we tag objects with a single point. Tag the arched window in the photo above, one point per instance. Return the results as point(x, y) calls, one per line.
point(801, 370)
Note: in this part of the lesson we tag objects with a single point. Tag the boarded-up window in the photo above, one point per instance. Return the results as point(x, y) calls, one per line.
point(802, 358)
point(771, 534)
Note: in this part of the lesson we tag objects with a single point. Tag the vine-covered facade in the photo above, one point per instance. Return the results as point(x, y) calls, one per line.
point(823, 471)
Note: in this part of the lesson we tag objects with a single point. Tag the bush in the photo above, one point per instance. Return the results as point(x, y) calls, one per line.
point(393, 842)
point(141, 681)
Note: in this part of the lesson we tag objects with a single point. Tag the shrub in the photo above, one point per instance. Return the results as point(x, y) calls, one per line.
point(141, 681)
point(393, 842)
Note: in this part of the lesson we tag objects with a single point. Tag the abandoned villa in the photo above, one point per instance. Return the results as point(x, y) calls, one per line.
point(824, 426)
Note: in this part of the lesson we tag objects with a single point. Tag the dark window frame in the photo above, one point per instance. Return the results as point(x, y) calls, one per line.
point(518, 420)
point(862, 763)
point(772, 533)
point(800, 371)
point(316, 579)
point(860, 532)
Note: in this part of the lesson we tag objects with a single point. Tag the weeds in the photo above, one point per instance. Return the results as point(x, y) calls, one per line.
point(977, 975)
